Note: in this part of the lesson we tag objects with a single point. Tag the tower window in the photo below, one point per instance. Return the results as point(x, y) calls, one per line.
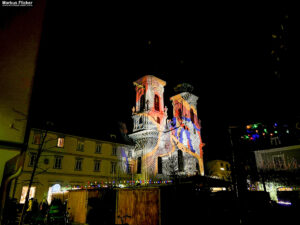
point(142, 103)
point(156, 102)
point(179, 113)
point(192, 115)
point(159, 165)
point(158, 120)
point(139, 166)
point(180, 161)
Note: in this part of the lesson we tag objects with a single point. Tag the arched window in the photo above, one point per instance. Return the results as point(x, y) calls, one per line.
point(197, 167)
point(159, 165)
point(158, 120)
point(180, 161)
point(139, 165)
point(156, 102)
point(142, 103)
point(179, 113)
point(192, 115)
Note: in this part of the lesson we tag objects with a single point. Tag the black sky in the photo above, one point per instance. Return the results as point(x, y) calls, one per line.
point(89, 57)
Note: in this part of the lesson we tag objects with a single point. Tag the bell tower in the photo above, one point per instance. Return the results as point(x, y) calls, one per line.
point(187, 127)
point(149, 103)
point(149, 120)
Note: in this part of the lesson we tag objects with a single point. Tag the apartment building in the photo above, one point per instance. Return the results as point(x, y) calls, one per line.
point(71, 161)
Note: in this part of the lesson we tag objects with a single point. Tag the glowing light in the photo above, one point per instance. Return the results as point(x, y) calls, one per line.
point(275, 131)
point(265, 130)
point(56, 188)
point(284, 203)
point(222, 168)
point(285, 189)
point(271, 134)
point(24, 193)
point(248, 126)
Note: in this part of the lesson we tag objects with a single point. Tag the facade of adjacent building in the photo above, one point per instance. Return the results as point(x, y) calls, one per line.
point(277, 163)
point(165, 147)
point(70, 161)
point(219, 169)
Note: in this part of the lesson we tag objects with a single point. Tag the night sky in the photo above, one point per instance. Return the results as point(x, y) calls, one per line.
point(90, 56)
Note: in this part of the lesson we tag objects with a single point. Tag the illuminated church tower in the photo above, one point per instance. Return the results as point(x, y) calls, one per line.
point(149, 120)
point(165, 147)
point(187, 130)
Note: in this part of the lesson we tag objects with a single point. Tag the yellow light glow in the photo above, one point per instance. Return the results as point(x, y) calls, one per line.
point(24, 193)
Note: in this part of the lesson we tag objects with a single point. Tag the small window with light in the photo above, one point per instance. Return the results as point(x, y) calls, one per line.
point(60, 142)
point(37, 138)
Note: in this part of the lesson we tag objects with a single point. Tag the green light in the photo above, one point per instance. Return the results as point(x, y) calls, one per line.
point(254, 125)
point(275, 131)
point(246, 136)
point(265, 130)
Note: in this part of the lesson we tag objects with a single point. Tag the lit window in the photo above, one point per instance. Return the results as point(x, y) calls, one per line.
point(113, 167)
point(98, 148)
point(80, 146)
point(24, 193)
point(78, 164)
point(32, 159)
point(57, 162)
point(156, 102)
point(60, 142)
point(97, 165)
point(114, 150)
point(37, 138)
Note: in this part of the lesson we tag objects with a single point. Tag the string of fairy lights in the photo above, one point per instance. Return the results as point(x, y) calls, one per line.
point(124, 183)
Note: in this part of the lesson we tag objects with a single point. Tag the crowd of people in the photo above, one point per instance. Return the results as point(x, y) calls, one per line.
point(38, 213)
